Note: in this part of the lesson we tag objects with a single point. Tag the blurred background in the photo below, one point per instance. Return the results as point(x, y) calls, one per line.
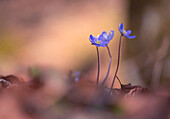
point(55, 34)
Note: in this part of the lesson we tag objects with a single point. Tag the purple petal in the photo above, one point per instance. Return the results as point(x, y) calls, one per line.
point(128, 32)
point(98, 45)
point(121, 27)
point(106, 42)
point(131, 37)
point(101, 38)
point(103, 45)
point(104, 34)
point(92, 39)
point(110, 36)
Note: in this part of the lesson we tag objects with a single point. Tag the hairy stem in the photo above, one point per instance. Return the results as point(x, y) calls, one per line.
point(109, 66)
point(98, 63)
point(118, 62)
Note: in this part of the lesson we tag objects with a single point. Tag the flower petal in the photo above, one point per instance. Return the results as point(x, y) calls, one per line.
point(104, 34)
point(110, 36)
point(101, 38)
point(131, 37)
point(121, 28)
point(128, 32)
point(92, 39)
point(98, 45)
point(106, 42)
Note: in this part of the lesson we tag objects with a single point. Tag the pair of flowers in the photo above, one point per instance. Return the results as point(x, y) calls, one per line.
point(103, 41)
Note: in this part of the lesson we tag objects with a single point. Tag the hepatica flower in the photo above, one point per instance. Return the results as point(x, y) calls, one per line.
point(125, 33)
point(101, 40)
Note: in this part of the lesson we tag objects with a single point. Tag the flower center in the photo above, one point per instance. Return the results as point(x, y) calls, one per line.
point(124, 32)
point(98, 42)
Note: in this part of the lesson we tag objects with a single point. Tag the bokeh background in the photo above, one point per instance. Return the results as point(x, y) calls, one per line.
point(55, 34)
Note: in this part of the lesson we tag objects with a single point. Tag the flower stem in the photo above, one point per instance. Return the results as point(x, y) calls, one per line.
point(117, 63)
point(119, 81)
point(109, 66)
point(98, 63)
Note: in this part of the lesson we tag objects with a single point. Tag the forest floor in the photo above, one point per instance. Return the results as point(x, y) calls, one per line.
point(46, 96)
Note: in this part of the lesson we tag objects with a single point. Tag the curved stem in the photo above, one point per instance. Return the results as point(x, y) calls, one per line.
point(119, 81)
point(98, 63)
point(109, 66)
point(117, 64)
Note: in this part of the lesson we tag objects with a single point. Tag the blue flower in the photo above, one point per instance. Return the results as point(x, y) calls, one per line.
point(102, 40)
point(77, 76)
point(125, 33)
